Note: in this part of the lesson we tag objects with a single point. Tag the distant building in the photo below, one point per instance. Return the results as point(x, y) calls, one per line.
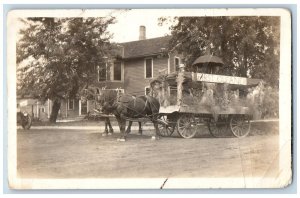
point(37, 109)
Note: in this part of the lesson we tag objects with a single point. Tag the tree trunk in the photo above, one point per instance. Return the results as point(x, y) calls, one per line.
point(55, 109)
point(244, 68)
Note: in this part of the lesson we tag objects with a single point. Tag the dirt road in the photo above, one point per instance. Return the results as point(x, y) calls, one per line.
point(84, 153)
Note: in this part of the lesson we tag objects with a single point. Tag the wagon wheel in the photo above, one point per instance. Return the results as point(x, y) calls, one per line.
point(186, 126)
point(217, 129)
point(240, 125)
point(165, 127)
point(26, 122)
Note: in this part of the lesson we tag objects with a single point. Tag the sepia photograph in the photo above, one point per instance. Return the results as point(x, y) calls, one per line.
point(149, 98)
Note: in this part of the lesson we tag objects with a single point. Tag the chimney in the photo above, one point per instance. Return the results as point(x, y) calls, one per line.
point(142, 33)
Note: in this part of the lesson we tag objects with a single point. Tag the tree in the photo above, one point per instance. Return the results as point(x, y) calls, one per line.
point(58, 56)
point(249, 46)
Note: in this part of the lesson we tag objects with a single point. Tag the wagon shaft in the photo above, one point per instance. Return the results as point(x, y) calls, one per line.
point(138, 119)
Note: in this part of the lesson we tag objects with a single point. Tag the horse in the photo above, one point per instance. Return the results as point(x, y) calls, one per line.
point(93, 94)
point(128, 106)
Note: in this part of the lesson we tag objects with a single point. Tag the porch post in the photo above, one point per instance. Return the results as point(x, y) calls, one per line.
point(87, 106)
point(67, 103)
point(37, 109)
point(80, 107)
point(48, 108)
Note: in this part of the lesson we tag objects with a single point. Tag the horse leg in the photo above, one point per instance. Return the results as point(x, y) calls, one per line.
point(111, 130)
point(128, 130)
point(140, 128)
point(105, 130)
point(122, 125)
point(155, 136)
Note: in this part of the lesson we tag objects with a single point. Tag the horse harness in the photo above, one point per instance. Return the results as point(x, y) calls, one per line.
point(134, 103)
point(117, 102)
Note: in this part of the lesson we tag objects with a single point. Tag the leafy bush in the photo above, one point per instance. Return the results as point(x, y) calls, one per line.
point(270, 104)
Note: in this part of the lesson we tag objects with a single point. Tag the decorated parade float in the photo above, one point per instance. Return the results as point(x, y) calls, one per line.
point(203, 96)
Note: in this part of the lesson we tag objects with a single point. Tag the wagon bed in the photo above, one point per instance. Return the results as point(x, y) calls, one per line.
point(203, 109)
point(219, 119)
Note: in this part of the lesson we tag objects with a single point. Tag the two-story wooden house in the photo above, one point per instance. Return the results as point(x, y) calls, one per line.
point(131, 70)
point(141, 61)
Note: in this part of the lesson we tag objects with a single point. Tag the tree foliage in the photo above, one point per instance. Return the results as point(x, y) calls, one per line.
point(58, 56)
point(249, 46)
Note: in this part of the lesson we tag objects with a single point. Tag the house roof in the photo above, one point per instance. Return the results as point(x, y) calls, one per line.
point(145, 47)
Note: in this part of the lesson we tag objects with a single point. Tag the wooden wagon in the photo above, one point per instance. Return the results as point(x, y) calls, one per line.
point(190, 99)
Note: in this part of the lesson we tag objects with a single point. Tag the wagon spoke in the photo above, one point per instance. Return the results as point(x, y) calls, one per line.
point(184, 131)
point(240, 126)
point(165, 128)
point(185, 126)
point(238, 131)
point(181, 127)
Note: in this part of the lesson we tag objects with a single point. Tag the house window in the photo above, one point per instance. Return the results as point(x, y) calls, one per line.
point(147, 90)
point(102, 73)
point(149, 68)
point(173, 95)
point(71, 104)
point(117, 71)
point(177, 62)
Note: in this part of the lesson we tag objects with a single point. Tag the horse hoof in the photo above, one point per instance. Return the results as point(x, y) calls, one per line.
point(154, 138)
point(121, 140)
point(109, 133)
point(104, 134)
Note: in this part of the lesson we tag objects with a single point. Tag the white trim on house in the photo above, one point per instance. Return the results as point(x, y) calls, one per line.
point(169, 71)
point(48, 108)
point(122, 70)
point(67, 108)
point(179, 61)
point(37, 109)
point(87, 106)
point(79, 104)
point(145, 68)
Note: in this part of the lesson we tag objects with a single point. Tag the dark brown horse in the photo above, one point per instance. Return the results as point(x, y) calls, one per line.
point(130, 107)
point(93, 93)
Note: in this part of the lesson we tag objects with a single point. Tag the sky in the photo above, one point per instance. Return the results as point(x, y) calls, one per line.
point(128, 23)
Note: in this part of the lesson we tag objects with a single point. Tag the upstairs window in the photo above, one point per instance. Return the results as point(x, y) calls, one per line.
point(177, 62)
point(117, 71)
point(148, 68)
